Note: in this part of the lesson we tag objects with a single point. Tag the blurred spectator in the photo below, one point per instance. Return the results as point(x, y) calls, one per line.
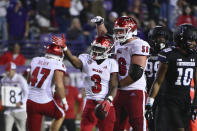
point(76, 39)
point(62, 14)
point(186, 17)
point(73, 97)
point(43, 15)
point(89, 30)
point(136, 9)
point(76, 8)
point(150, 25)
point(98, 9)
point(75, 31)
point(13, 56)
point(163, 10)
point(17, 19)
point(172, 7)
point(140, 32)
point(153, 9)
point(109, 23)
point(120, 7)
point(3, 21)
point(15, 114)
point(84, 14)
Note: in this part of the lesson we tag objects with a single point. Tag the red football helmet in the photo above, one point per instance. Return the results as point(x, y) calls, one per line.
point(124, 28)
point(55, 50)
point(101, 47)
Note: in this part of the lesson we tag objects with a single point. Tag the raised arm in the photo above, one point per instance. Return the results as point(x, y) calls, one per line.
point(76, 62)
point(100, 27)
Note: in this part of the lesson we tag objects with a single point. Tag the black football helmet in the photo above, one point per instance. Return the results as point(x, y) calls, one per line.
point(158, 38)
point(183, 35)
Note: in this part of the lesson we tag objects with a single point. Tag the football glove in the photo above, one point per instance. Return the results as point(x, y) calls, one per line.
point(106, 105)
point(60, 41)
point(149, 113)
point(64, 104)
point(193, 112)
point(148, 108)
point(98, 20)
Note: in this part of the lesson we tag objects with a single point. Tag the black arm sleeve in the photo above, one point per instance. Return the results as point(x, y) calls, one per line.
point(136, 71)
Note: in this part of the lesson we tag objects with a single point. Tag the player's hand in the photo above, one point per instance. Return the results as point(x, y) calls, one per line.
point(149, 113)
point(60, 41)
point(106, 105)
point(97, 20)
point(64, 104)
point(193, 113)
point(148, 108)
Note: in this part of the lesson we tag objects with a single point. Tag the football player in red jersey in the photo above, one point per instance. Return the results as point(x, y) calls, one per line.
point(131, 54)
point(45, 72)
point(101, 81)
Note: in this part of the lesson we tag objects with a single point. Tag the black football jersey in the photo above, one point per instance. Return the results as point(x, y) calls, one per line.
point(151, 70)
point(181, 69)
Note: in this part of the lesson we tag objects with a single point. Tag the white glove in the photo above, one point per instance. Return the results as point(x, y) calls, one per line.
point(98, 20)
point(65, 104)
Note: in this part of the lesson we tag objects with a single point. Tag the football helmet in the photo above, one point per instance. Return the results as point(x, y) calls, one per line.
point(101, 47)
point(55, 50)
point(125, 28)
point(183, 35)
point(158, 38)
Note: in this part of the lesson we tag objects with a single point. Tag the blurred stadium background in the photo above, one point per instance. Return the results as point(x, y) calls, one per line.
point(31, 23)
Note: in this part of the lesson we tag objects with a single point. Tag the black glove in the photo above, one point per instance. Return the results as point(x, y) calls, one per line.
point(149, 113)
point(193, 112)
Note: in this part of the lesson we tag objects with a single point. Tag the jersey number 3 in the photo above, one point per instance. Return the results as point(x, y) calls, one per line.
point(97, 80)
point(34, 76)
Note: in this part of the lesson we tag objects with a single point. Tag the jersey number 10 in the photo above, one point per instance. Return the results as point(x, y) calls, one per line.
point(184, 76)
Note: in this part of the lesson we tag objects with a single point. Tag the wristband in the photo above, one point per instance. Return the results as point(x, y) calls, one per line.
point(150, 101)
point(64, 101)
point(65, 49)
point(110, 98)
